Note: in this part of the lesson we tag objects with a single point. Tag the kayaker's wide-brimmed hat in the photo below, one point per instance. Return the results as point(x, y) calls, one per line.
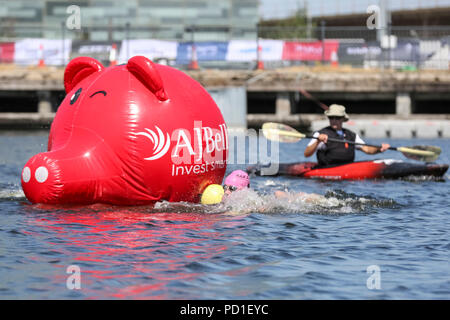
point(336, 110)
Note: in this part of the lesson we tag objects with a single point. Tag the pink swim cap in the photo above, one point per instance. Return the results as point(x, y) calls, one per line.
point(238, 179)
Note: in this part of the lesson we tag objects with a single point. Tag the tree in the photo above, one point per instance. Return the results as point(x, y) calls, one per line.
point(294, 27)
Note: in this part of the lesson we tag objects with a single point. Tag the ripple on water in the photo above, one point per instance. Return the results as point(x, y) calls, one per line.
point(255, 246)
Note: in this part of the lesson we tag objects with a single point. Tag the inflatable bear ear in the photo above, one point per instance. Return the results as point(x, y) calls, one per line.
point(78, 69)
point(145, 71)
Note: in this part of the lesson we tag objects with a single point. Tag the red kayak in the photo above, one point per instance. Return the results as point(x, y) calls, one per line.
point(375, 169)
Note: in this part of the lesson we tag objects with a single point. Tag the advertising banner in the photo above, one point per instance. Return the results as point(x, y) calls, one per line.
point(407, 50)
point(152, 49)
point(355, 53)
point(206, 51)
point(7, 52)
point(309, 51)
point(53, 52)
point(100, 50)
point(246, 50)
point(434, 54)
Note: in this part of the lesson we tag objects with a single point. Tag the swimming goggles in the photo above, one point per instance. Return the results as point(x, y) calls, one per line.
point(231, 188)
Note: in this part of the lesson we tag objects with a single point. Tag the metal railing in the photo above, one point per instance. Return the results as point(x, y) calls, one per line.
point(412, 47)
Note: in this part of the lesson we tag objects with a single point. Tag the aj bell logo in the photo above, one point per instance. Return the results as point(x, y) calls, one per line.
point(190, 150)
point(160, 142)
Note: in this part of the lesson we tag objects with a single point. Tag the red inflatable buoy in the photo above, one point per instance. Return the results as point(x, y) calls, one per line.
point(127, 135)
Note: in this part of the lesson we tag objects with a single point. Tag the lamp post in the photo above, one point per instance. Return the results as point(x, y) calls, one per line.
point(63, 36)
point(127, 38)
point(322, 36)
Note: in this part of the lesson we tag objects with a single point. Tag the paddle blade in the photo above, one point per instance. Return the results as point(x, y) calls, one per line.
point(281, 132)
point(421, 153)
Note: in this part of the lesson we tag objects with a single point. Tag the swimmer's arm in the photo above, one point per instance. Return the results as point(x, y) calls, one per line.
point(309, 197)
point(312, 197)
point(280, 194)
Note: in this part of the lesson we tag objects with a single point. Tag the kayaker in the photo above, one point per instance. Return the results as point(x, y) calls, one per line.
point(330, 152)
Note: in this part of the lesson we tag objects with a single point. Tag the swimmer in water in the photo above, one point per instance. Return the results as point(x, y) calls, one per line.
point(239, 180)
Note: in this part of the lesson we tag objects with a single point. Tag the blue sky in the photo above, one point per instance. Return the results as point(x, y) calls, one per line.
point(284, 8)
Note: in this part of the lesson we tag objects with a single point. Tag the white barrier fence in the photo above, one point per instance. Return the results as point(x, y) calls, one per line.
point(428, 54)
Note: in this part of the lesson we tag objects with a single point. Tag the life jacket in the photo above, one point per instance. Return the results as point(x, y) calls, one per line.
point(336, 152)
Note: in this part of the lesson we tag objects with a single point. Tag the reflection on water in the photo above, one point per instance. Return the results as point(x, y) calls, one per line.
point(112, 244)
point(253, 246)
point(143, 252)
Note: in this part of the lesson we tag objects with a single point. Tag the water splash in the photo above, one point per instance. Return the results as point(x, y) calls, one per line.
point(11, 193)
point(248, 201)
point(425, 178)
point(361, 203)
point(187, 207)
point(333, 202)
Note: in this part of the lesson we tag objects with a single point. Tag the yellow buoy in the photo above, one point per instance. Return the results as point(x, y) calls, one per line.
point(213, 194)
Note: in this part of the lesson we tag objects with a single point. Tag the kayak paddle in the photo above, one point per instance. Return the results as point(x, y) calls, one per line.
point(284, 133)
point(310, 97)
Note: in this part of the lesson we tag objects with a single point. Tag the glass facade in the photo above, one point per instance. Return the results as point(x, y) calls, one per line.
point(114, 20)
